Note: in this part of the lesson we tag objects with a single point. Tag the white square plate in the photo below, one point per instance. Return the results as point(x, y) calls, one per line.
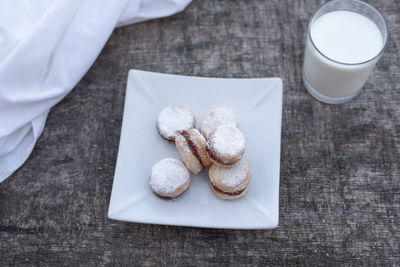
point(258, 104)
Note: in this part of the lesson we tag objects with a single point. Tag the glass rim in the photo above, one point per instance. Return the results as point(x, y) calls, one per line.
point(344, 63)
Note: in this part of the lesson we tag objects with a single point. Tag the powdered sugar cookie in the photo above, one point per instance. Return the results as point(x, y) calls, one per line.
point(215, 117)
point(226, 145)
point(174, 119)
point(169, 178)
point(192, 148)
point(230, 183)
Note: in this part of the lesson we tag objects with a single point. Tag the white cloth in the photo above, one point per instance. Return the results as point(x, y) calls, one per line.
point(46, 46)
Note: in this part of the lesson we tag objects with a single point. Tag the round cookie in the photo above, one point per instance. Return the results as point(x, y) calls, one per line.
point(192, 148)
point(169, 178)
point(174, 119)
point(215, 117)
point(230, 183)
point(226, 145)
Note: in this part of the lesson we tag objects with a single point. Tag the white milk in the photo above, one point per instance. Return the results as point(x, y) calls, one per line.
point(345, 37)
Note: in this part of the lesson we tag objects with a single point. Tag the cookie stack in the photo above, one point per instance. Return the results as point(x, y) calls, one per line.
point(219, 143)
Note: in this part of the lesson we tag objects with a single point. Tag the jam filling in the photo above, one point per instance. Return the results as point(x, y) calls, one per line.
point(169, 198)
point(211, 154)
point(192, 146)
point(227, 193)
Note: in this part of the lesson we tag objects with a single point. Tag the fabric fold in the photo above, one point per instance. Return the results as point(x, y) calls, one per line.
point(46, 46)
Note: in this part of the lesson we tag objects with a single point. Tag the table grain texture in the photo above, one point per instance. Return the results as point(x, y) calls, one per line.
point(340, 164)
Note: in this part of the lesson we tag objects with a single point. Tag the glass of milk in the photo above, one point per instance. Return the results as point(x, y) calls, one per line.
point(345, 39)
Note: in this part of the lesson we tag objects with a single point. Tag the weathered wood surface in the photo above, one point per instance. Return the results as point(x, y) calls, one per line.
point(340, 164)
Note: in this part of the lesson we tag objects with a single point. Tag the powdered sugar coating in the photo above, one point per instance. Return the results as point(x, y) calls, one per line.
point(191, 146)
point(172, 120)
point(168, 175)
point(189, 158)
point(227, 141)
point(233, 177)
point(215, 117)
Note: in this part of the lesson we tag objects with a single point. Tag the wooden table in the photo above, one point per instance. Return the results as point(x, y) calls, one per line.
point(340, 164)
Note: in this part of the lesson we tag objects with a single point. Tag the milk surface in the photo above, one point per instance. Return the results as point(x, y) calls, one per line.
point(345, 37)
